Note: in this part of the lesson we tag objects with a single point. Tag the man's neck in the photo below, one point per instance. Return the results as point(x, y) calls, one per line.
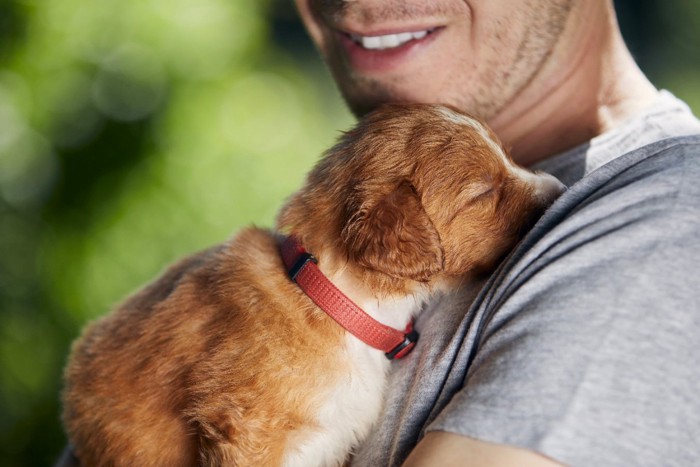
point(567, 106)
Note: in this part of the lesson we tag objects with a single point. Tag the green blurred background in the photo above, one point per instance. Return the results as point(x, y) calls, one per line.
point(133, 132)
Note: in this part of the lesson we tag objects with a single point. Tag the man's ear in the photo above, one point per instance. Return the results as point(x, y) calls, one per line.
point(395, 237)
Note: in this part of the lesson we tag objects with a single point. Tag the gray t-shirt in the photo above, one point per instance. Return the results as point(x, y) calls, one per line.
point(585, 344)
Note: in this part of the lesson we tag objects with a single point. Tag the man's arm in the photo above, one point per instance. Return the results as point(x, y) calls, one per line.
point(447, 449)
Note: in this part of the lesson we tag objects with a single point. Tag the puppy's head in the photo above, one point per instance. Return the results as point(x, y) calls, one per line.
point(416, 192)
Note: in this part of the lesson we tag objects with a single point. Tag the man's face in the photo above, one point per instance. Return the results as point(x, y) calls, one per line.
point(474, 54)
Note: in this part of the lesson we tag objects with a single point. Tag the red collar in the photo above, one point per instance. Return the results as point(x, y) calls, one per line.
point(303, 270)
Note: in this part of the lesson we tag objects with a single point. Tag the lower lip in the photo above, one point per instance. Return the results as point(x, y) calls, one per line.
point(386, 60)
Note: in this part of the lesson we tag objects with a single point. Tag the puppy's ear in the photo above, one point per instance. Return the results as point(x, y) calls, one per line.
point(395, 237)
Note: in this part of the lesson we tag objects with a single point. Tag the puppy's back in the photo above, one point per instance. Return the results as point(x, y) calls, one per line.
point(201, 358)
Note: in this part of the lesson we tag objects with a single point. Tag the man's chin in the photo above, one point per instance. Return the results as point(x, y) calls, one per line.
point(363, 103)
point(359, 109)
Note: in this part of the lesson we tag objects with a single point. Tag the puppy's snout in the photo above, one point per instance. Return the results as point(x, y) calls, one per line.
point(547, 188)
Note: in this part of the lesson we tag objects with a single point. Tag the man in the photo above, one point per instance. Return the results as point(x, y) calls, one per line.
point(582, 349)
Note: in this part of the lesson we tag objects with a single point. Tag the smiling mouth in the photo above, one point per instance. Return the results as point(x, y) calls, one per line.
point(388, 41)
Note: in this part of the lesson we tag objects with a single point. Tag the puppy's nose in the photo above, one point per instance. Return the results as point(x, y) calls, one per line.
point(548, 188)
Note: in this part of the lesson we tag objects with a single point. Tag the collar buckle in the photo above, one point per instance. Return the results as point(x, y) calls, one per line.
point(299, 264)
point(404, 347)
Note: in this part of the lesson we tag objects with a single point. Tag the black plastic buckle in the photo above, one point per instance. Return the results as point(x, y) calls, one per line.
point(409, 339)
point(300, 263)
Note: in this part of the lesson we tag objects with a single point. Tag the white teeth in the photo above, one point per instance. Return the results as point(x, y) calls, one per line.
point(388, 41)
point(373, 42)
point(405, 37)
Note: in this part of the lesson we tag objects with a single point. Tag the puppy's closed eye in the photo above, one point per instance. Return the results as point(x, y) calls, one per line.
point(481, 191)
point(486, 193)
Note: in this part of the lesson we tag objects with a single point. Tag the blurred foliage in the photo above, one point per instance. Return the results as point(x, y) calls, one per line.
point(133, 132)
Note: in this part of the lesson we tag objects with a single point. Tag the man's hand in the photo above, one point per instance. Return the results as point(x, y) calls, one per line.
point(444, 449)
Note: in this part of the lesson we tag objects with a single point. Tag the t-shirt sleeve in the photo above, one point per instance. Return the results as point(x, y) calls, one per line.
point(590, 352)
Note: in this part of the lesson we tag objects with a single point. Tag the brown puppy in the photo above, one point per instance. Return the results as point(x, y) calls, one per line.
point(225, 361)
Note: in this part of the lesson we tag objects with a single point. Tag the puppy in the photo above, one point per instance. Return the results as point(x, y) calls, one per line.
point(254, 352)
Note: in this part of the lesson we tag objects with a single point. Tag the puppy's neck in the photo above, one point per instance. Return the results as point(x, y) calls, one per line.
point(392, 309)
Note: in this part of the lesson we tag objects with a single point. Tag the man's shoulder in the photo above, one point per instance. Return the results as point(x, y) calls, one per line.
point(647, 197)
point(632, 221)
point(671, 156)
point(661, 174)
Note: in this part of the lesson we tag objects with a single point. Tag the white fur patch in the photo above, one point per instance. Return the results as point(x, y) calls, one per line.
point(347, 415)
point(460, 119)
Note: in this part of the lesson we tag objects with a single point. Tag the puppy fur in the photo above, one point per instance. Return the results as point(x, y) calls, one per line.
point(224, 361)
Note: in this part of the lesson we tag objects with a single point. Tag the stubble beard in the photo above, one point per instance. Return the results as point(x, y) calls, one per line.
point(485, 90)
